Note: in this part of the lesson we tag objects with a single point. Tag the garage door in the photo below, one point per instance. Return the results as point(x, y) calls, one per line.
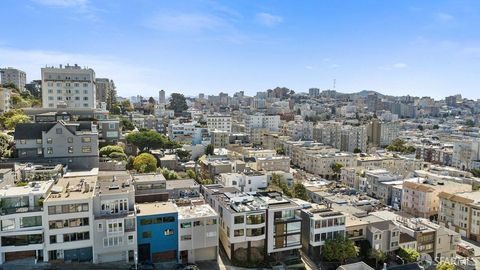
point(112, 257)
point(12, 256)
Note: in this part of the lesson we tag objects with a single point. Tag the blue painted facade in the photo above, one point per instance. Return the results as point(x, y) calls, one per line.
point(157, 237)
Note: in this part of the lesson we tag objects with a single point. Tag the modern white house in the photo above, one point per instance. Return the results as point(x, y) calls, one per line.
point(245, 181)
point(22, 221)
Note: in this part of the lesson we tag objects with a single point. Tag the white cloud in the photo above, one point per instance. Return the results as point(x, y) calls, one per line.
point(186, 22)
point(444, 17)
point(129, 78)
point(399, 65)
point(309, 67)
point(267, 19)
point(81, 7)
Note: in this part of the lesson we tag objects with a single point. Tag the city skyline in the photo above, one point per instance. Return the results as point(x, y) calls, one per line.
point(417, 48)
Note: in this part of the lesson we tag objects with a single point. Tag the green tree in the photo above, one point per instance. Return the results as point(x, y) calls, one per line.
point(209, 150)
point(127, 124)
point(144, 163)
point(475, 172)
point(299, 191)
point(336, 167)
point(147, 140)
point(168, 174)
point(357, 150)
point(339, 249)
point(379, 256)
point(117, 156)
point(107, 150)
point(178, 103)
point(191, 174)
point(445, 266)
point(129, 165)
point(409, 255)
point(126, 106)
point(11, 122)
point(5, 145)
point(183, 155)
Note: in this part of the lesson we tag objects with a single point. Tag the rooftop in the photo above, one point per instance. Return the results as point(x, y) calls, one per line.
point(182, 183)
point(148, 177)
point(114, 182)
point(156, 208)
point(35, 188)
point(74, 186)
point(195, 211)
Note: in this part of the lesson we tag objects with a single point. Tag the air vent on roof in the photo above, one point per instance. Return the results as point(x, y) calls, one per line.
point(113, 187)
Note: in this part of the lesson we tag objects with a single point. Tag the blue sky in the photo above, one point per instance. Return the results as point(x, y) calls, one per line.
point(395, 47)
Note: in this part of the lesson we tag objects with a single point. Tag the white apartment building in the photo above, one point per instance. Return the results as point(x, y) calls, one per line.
point(105, 91)
point(276, 163)
point(259, 121)
point(389, 131)
point(245, 182)
point(219, 122)
point(197, 232)
point(69, 220)
point(22, 221)
point(68, 87)
point(465, 152)
point(5, 99)
point(114, 234)
point(461, 212)
point(319, 224)
point(255, 225)
point(15, 76)
point(321, 164)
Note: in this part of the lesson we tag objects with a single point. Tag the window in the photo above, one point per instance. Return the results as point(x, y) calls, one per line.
point(68, 208)
point(256, 232)
point(86, 149)
point(53, 239)
point(70, 140)
point(85, 85)
point(77, 98)
point(86, 139)
point(79, 236)
point(26, 222)
point(168, 232)
point(85, 98)
point(59, 98)
point(239, 232)
point(239, 219)
point(49, 140)
point(112, 241)
point(39, 151)
point(23, 141)
point(185, 225)
point(147, 234)
point(39, 141)
point(8, 224)
point(59, 91)
point(99, 227)
point(197, 223)
point(130, 239)
point(49, 150)
point(211, 222)
point(186, 237)
point(70, 149)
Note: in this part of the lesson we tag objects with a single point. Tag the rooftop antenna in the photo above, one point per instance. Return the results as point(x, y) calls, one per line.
point(334, 83)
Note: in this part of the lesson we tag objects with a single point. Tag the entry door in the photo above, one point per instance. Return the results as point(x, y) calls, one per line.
point(144, 252)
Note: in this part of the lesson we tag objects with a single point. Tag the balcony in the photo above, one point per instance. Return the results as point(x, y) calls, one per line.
point(114, 215)
point(20, 210)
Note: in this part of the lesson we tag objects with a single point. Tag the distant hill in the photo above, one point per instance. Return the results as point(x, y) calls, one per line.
point(365, 93)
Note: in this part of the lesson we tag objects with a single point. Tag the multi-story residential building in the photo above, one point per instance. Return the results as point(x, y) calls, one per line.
point(353, 138)
point(157, 231)
point(69, 221)
point(212, 166)
point(5, 99)
point(74, 144)
point(375, 179)
point(258, 124)
point(420, 195)
point(220, 138)
point(314, 92)
point(14, 76)
point(461, 212)
point(374, 132)
point(275, 163)
point(114, 234)
point(389, 131)
point(321, 164)
point(255, 226)
point(68, 87)
point(384, 236)
point(245, 181)
point(22, 221)
point(105, 92)
point(197, 232)
point(320, 223)
point(109, 131)
point(464, 152)
point(219, 122)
